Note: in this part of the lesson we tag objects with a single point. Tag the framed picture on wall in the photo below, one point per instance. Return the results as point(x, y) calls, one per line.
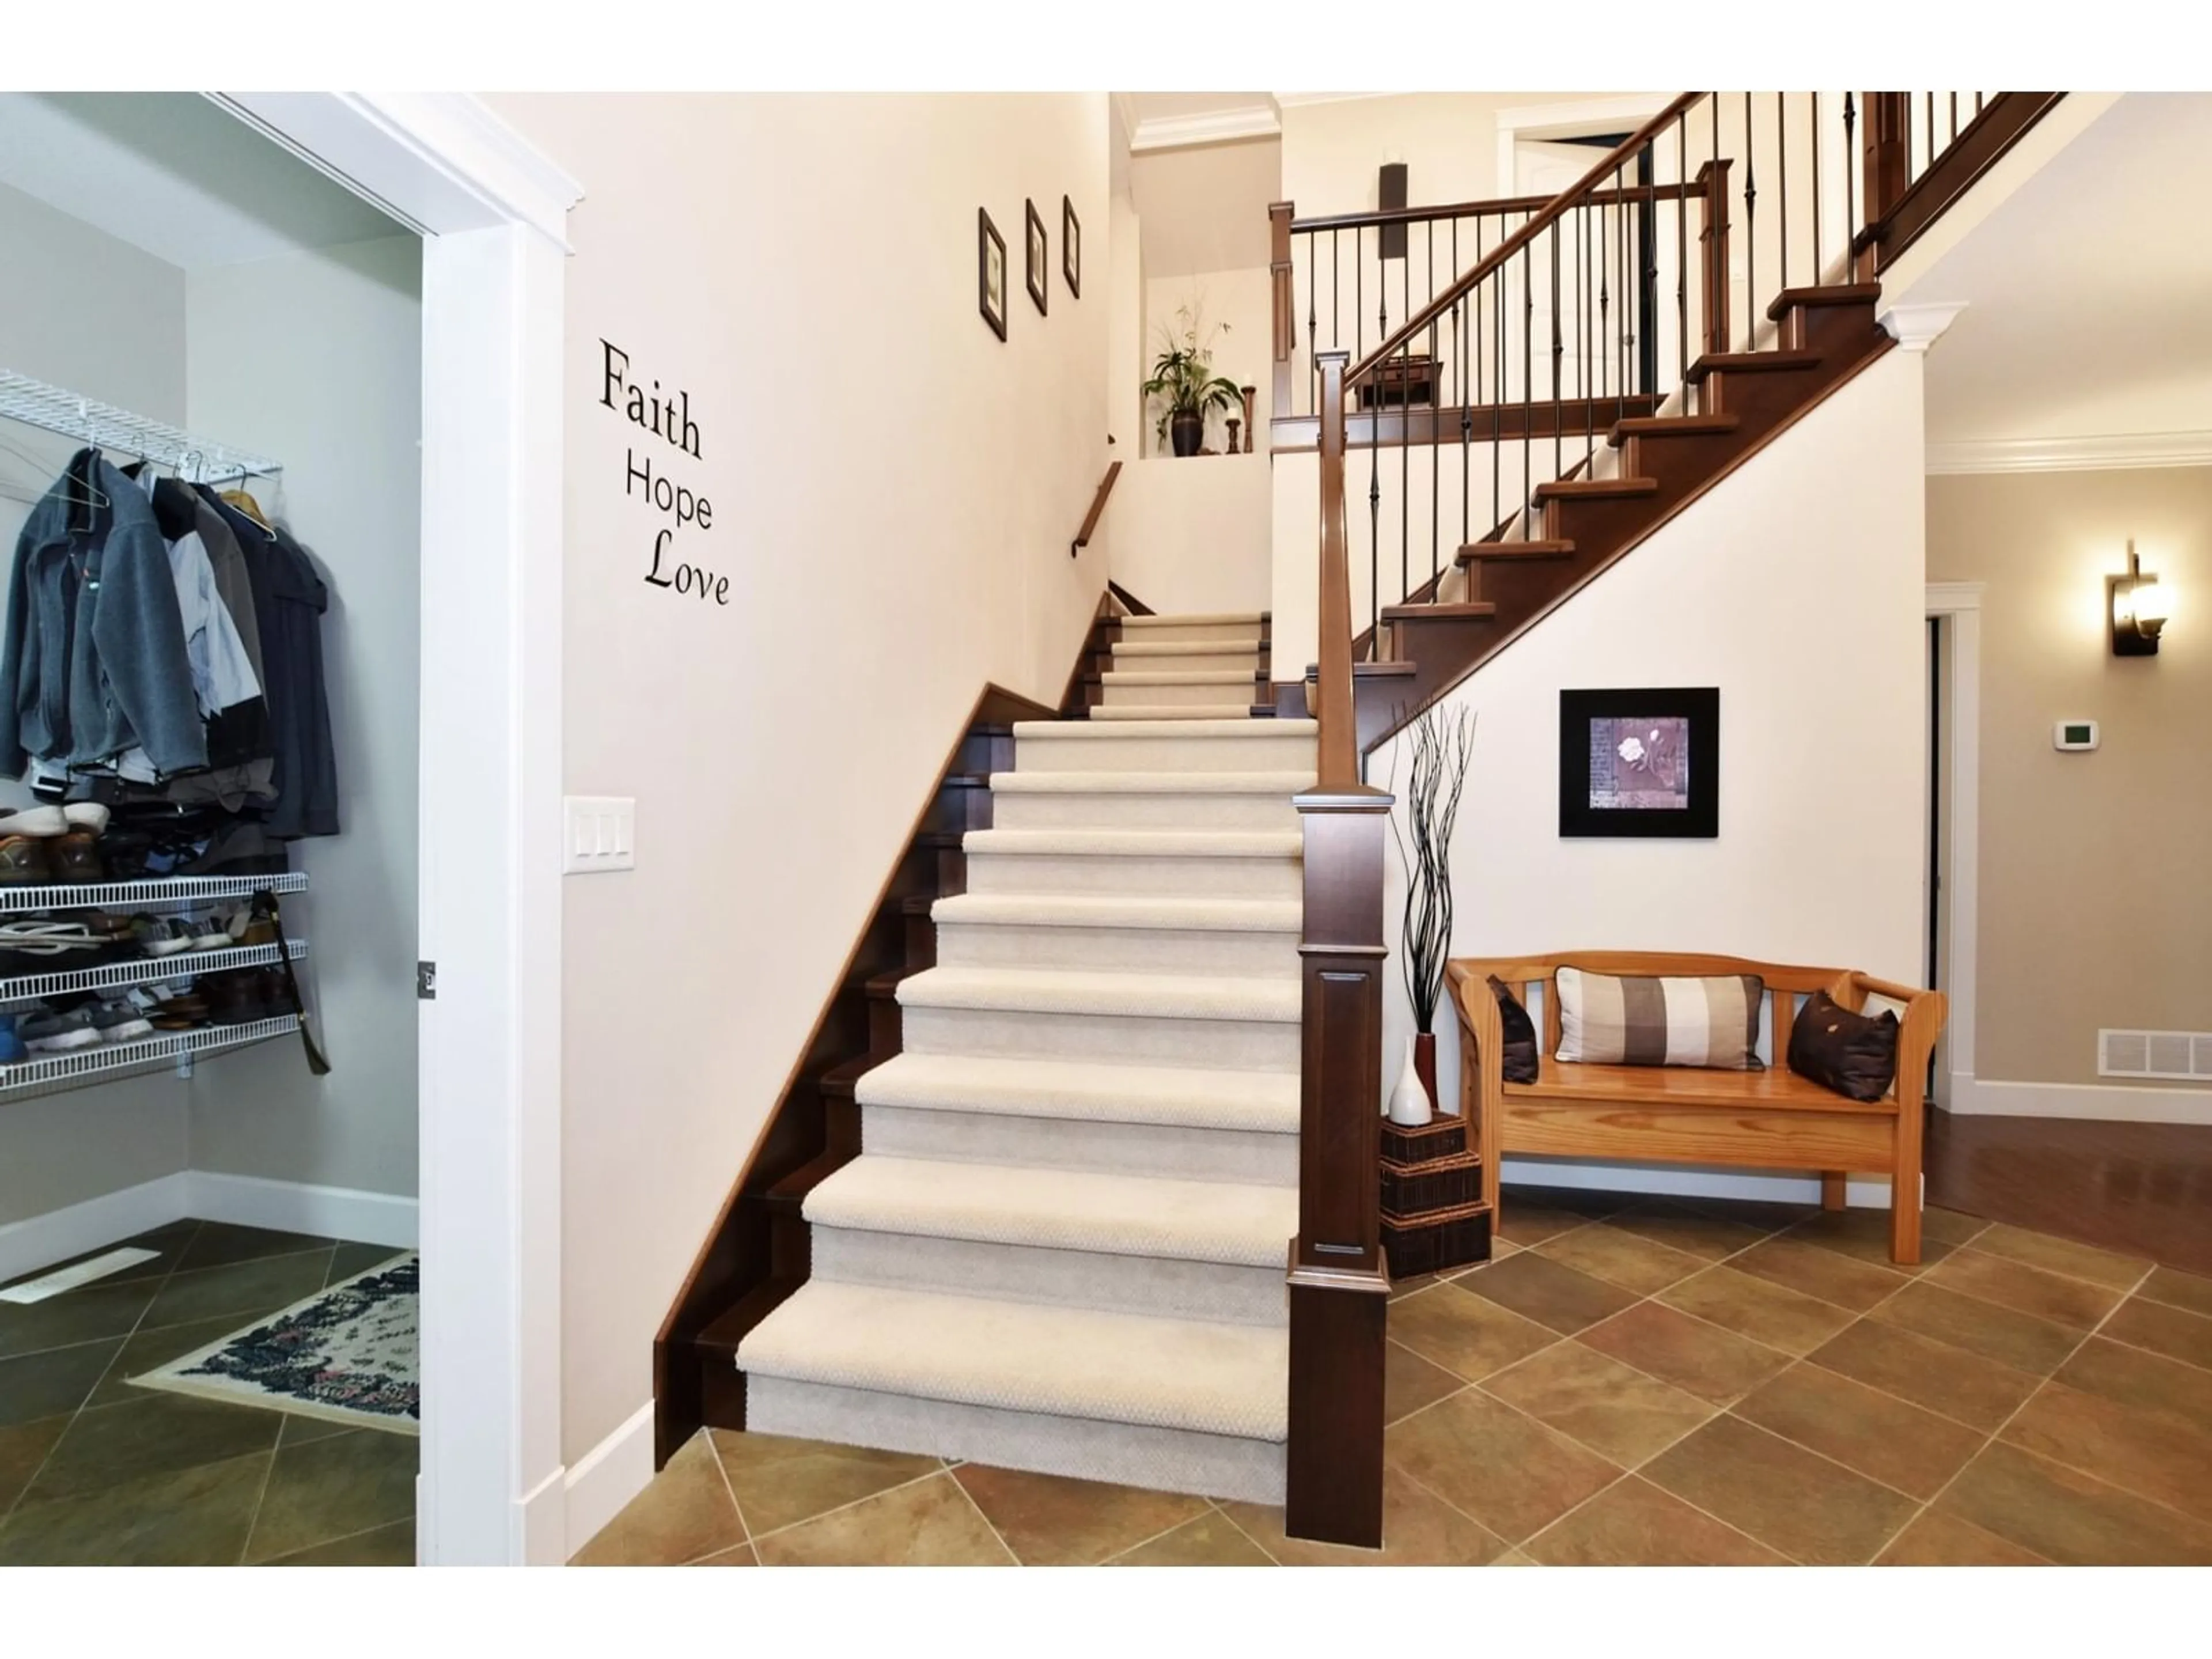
point(1039, 278)
point(1071, 247)
point(1640, 762)
point(990, 272)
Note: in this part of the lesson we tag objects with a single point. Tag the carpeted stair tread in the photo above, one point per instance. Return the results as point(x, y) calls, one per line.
point(1286, 784)
point(1114, 676)
point(1123, 713)
point(1115, 1368)
point(1165, 651)
point(1093, 731)
point(1115, 910)
point(1137, 843)
point(1261, 1102)
point(1191, 619)
point(1139, 996)
point(1061, 1210)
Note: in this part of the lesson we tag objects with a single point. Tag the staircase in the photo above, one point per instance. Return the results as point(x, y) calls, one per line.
point(1061, 1247)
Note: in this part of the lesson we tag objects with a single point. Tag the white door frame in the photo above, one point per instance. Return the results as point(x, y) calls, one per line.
point(493, 212)
point(1961, 602)
point(1575, 120)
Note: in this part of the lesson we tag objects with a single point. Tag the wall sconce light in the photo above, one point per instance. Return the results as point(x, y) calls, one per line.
point(1390, 197)
point(2138, 606)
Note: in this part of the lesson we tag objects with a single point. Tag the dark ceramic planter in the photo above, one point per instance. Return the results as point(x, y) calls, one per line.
point(1424, 1066)
point(1186, 432)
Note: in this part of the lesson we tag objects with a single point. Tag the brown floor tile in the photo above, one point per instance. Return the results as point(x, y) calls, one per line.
point(1420, 1529)
point(1465, 1334)
point(1767, 1313)
point(1702, 1359)
point(50, 1384)
point(1536, 1287)
point(2176, 1289)
point(1527, 1224)
point(2070, 1518)
point(2062, 1256)
point(1938, 1539)
point(1635, 1524)
point(1784, 1496)
point(1212, 1540)
point(1616, 1412)
point(779, 1480)
point(929, 1523)
point(2171, 1331)
point(245, 1290)
point(742, 1556)
point(150, 1350)
point(84, 1314)
point(157, 1434)
point(1948, 1226)
point(22, 1450)
point(1409, 1381)
point(685, 1513)
point(1815, 1271)
point(1951, 1381)
point(350, 1259)
point(1876, 1434)
point(1679, 1227)
point(1487, 1461)
point(1863, 1235)
point(2179, 1393)
point(1513, 1559)
point(1620, 1258)
point(299, 1429)
point(182, 1517)
point(2024, 1343)
point(385, 1546)
point(219, 1243)
point(1593, 1202)
point(1402, 1288)
point(168, 1244)
point(1765, 1214)
point(333, 1488)
point(1050, 1521)
point(2025, 1290)
point(2136, 1451)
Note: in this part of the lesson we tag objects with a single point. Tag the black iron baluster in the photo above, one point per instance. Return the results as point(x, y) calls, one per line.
point(1313, 301)
point(1929, 160)
point(1359, 304)
point(1750, 236)
point(1405, 419)
point(1955, 118)
point(1592, 352)
point(1682, 248)
point(1782, 162)
point(1850, 212)
point(1637, 318)
point(1375, 526)
point(1528, 365)
point(1558, 438)
point(1335, 297)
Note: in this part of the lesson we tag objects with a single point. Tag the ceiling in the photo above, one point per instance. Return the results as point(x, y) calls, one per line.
point(2088, 292)
point(174, 174)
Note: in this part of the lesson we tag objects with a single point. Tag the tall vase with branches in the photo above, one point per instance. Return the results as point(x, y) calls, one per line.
point(1442, 743)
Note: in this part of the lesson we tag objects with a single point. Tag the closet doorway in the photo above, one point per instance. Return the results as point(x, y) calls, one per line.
point(312, 305)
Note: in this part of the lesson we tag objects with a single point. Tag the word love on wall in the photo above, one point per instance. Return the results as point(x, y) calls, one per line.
point(669, 419)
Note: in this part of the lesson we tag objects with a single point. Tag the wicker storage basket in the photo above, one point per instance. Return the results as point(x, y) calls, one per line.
point(1447, 1238)
point(1442, 1136)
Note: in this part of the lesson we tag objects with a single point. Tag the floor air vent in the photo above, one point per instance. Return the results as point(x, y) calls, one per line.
point(2183, 1056)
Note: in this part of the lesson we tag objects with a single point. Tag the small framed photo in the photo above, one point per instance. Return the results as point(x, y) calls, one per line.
point(1071, 247)
point(1039, 278)
point(1640, 762)
point(991, 272)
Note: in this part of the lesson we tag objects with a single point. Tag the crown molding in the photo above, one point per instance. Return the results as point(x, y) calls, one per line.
point(1293, 100)
point(1160, 132)
point(2105, 454)
point(1918, 327)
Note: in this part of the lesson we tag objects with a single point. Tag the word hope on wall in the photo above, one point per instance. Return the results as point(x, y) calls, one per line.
point(684, 509)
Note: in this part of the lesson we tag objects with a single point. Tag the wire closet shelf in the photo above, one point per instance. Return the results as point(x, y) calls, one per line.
point(104, 426)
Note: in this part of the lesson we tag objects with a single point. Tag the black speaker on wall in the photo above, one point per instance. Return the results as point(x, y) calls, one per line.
point(1390, 194)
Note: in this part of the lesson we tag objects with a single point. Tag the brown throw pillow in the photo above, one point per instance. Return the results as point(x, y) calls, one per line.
point(1838, 1049)
point(1520, 1047)
point(1608, 1020)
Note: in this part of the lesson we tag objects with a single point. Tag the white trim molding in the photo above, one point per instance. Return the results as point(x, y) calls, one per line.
point(1677, 1181)
point(39, 1240)
point(2112, 453)
point(1961, 602)
point(1158, 132)
point(605, 1478)
point(1294, 100)
point(2103, 1102)
point(1919, 327)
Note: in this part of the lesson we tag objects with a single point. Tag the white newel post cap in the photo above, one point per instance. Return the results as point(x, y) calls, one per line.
point(1918, 327)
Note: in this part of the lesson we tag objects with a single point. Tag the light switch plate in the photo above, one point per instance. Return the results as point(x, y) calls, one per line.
point(598, 833)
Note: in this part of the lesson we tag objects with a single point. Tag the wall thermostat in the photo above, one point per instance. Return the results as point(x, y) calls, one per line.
point(2074, 734)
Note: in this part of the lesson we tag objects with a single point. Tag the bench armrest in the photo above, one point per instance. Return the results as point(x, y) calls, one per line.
point(1482, 1039)
point(1918, 1027)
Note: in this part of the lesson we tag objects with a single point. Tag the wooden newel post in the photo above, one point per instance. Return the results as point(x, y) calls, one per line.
point(1338, 1284)
point(1285, 303)
point(1712, 178)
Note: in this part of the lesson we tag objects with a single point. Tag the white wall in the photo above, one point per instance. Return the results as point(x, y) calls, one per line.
point(316, 358)
point(1332, 152)
point(1797, 588)
point(87, 312)
point(879, 575)
point(1124, 295)
point(1192, 535)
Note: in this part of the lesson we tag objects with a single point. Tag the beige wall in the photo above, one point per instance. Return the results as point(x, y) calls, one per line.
point(2095, 907)
point(1448, 140)
point(1191, 535)
point(881, 571)
point(1241, 301)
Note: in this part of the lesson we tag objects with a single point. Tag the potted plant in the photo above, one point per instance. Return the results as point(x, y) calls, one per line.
point(1184, 380)
point(1442, 743)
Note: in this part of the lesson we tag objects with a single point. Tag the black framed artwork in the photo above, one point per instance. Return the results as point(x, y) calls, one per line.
point(1071, 247)
point(1640, 762)
point(990, 272)
point(1040, 279)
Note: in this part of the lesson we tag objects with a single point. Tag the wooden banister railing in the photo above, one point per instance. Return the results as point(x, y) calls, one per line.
point(1098, 506)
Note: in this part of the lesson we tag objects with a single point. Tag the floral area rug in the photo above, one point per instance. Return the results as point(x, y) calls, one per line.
point(349, 1355)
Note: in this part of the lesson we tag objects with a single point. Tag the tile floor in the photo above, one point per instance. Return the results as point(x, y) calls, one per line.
point(1630, 1381)
point(94, 1472)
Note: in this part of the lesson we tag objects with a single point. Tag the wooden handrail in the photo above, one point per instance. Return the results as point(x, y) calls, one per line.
point(1098, 506)
point(1338, 763)
point(1567, 198)
point(1414, 215)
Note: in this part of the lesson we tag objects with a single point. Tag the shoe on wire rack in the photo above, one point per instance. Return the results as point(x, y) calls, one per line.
point(77, 858)
point(41, 946)
point(40, 823)
point(12, 1051)
point(162, 936)
point(118, 1021)
point(51, 1033)
point(24, 860)
point(210, 932)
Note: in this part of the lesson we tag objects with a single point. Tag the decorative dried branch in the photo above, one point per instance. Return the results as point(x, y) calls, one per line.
point(1442, 743)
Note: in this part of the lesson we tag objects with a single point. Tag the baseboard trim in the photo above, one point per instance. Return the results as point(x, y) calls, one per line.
point(1673, 1181)
point(605, 1478)
point(39, 1240)
point(1971, 1097)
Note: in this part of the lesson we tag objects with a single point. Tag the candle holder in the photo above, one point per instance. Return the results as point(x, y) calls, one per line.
point(1248, 392)
point(1233, 425)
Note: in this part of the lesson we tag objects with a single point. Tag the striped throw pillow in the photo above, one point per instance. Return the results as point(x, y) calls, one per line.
point(1618, 1021)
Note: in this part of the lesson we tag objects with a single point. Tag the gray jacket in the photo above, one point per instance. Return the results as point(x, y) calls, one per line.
point(94, 657)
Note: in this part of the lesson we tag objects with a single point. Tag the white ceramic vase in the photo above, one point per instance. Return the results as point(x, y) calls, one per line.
point(1409, 1101)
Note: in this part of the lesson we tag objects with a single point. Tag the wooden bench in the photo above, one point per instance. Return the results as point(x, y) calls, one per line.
point(1768, 1120)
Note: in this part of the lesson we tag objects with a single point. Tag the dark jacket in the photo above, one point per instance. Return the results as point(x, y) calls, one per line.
point(241, 741)
point(94, 659)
